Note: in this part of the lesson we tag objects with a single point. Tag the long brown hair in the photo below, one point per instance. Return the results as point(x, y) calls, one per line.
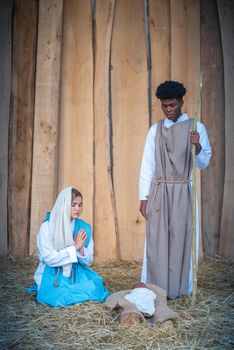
point(76, 193)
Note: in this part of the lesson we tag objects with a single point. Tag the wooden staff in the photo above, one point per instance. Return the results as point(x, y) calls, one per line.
point(194, 248)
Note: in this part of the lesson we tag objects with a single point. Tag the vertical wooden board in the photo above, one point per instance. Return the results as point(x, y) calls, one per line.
point(76, 109)
point(185, 48)
point(160, 44)
point(130, 121)
point(5, 85)
point(44, 171)
point(21, 121)
point(212, 179)
point(105, 234)
point(226, 15)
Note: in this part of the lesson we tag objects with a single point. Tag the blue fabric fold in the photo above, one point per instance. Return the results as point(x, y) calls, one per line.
point(82, 285)
point(31, 289)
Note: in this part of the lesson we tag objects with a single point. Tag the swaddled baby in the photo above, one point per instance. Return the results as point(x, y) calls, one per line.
point(142, 303)
point(143, 298)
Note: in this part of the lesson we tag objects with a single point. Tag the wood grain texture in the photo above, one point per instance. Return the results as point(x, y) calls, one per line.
point(5, 86)
point(21, 121)
point(76, 166)
point(226, 15)
point(130, 121)
point(212, 179)
point(160, 44)
point(45, 139)
point(185, 48)
point(105, 225)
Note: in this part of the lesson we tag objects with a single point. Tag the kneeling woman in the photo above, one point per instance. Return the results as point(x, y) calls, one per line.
point(65, 248)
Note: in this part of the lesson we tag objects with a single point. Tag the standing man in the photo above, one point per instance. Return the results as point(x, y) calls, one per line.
point(165, 192)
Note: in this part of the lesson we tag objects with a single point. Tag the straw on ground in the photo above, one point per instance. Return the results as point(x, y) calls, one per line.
point(25, 324)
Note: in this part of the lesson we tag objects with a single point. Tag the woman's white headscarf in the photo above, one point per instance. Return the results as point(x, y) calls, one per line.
point(60, 224)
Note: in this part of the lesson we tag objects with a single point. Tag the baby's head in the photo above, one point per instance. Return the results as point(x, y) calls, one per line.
point(143, 298)
point(139, 285)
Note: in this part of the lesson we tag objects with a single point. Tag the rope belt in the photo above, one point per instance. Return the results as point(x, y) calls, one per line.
point(57, 274)
point(158, 181)
point(55, 279)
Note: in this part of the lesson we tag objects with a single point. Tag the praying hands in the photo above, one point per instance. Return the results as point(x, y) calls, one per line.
point(80, 239)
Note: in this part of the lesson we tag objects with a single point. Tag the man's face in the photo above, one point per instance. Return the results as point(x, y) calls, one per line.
point(172, 108)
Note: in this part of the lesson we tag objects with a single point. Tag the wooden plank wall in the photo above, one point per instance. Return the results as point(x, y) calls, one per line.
point(130, 121)
point(98, 64)
point(226, 16)
point(76, 166)
point(46, 116)
point(160, 48)
point(185, 48)
point(5, 90)
point(105, 222)
point(212, 180)
point(21, 121)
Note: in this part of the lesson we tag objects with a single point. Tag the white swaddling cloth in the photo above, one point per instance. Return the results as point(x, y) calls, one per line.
point(60, 225)
point(144, 299)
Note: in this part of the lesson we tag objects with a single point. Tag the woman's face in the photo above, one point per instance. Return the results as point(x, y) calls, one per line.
point(76, 207)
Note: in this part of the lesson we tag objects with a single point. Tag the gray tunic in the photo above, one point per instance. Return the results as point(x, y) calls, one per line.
point(169, 210)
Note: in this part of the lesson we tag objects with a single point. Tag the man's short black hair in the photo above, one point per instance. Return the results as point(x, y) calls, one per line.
point(170, 89)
